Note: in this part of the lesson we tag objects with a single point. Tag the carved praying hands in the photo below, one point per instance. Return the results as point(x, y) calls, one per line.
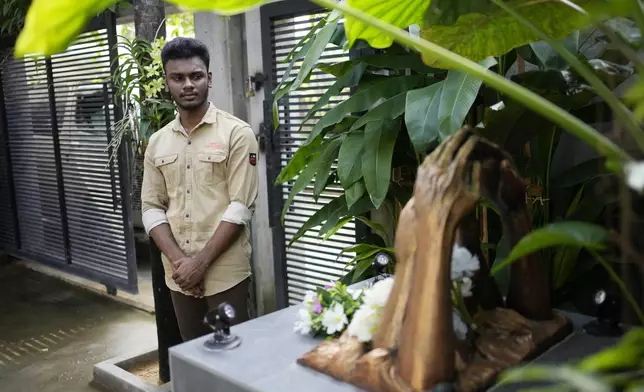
point(415, 347)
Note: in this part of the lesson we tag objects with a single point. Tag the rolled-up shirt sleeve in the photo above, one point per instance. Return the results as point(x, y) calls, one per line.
point(154, 196)
point(242, 177)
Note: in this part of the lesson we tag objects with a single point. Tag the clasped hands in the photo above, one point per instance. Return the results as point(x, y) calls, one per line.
point(189, 274)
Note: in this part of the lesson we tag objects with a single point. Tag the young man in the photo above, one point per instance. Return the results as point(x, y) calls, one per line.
point(199, 190)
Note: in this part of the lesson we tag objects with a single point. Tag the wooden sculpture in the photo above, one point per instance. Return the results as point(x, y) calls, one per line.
point(416, 348)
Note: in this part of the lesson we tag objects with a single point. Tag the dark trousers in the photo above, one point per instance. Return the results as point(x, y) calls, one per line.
point(190, 311)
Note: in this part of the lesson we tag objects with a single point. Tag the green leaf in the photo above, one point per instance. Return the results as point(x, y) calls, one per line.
point(323, 170)
point(349, 79)
point(362, 267)
point(331, 213)
point(377, 228)
point(400, 13)
point(458, 94)
point(579, 173)
point(492, 32)
point(355, 192)
point(350, 158)
point(379, 139)
point(548, 57)
point(388, 110)
point(51, 26)
point(303, 180)
point(337, 227)
point(320, 42)
point(573, 233)
point(365, 98)
point(221, 7)
point(298, 161)
point(387, 61)
point(421, 115)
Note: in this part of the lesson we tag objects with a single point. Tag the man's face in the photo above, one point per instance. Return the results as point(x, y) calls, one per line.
point(188, 81)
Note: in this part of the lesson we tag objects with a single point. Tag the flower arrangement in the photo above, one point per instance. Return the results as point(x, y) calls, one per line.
point(331, 310)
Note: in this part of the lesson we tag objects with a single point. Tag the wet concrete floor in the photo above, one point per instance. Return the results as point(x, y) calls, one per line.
point(52, 333)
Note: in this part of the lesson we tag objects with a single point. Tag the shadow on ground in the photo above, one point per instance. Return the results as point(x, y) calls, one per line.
point(52, 333)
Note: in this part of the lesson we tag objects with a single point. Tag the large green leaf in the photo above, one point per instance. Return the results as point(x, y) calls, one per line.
point(492, 32)
point(331, 214)
point(299, 160)
point(323, 170)
point(439, 110)
point(348, 79)
point(458, 94)
point(355, 192)
point(388, 110)
point(303, 180)
point(550, 58)
point(51, 26)
point(350, 158)
point(421, 115)
point(366, 98)
point(568, 233)
point(320, 43)
point(379, 140)
point(400, 13)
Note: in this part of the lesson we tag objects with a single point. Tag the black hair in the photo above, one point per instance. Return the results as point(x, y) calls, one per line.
point(185, 48)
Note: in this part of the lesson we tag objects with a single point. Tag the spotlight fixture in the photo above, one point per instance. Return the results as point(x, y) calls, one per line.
point(607, 312)
point(219, 320)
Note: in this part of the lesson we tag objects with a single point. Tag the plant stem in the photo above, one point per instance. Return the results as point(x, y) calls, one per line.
point(621, 112)
point(531, 100)
point(620, 283)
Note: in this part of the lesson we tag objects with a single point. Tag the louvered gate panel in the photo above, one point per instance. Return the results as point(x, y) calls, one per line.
point(310, 261)
point(8, 233)
point(31, 143)
point(97, 235)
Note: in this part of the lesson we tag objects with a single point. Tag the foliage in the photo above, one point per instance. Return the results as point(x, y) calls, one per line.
point(619, 367)
point(140, 88)
point(328, 310)
point(12, 16)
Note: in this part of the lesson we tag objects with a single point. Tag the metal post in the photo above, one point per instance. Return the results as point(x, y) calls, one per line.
point(58, 159)
point(110, 149)
point(4, 132)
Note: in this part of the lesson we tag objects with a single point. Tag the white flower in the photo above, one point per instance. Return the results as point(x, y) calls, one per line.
point(634, 172)
point(460, 328)
point(304, 324)
point(365, 323)
point(334, 319)
point(463, 262)
point(466, 286)
point(309, 297)
point(355, 293)
point(378, 294)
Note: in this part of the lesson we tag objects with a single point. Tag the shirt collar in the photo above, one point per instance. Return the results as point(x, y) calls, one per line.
point(209, 118)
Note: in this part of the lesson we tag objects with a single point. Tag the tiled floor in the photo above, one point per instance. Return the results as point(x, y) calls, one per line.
point(53, 332)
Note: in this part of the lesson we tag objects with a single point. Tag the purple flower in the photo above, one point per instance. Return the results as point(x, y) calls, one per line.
point(329, 285)
point(317, 307)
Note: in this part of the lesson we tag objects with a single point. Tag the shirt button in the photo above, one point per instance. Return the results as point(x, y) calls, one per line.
point(188, 191)
point(188, 166)
point(187, 241)
point(187, 215)
point(189, 142)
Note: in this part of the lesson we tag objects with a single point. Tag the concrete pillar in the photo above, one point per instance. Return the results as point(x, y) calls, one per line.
point(236, 52)
point(224, 37)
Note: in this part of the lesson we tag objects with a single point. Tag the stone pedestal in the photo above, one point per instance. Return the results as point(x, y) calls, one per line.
point(266, 359)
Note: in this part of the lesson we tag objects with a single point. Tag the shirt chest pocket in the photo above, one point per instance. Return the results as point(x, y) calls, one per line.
point(211, 167)
point(169, 167)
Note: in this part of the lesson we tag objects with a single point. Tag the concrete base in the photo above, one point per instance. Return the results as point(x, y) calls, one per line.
point(111, 375)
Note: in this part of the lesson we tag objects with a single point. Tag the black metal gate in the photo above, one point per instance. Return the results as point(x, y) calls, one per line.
point(309, 262)
point(70, 205)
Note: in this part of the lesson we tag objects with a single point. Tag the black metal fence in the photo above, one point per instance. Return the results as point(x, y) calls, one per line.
point(63, 202)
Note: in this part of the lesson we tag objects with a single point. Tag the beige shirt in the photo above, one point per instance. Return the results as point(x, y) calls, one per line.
point(194, 181)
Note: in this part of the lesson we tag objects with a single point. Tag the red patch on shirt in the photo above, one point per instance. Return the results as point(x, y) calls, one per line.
point(252, 158)
point(214, 145)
